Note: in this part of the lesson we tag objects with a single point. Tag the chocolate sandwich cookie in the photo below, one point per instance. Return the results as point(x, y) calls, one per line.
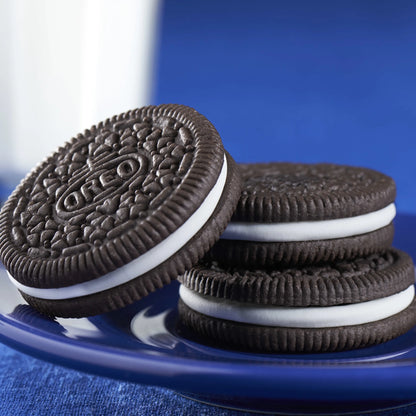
point(118, 211)
point(293, 214)
point(297, 310)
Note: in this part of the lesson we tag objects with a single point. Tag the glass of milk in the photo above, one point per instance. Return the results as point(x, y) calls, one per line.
point(66, 65)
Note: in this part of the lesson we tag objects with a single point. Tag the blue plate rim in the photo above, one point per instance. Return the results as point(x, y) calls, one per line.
point(177, 373)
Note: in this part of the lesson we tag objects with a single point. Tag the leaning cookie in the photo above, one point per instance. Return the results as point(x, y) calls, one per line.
point(293, 214)
point(313, 309)
point(118, 211)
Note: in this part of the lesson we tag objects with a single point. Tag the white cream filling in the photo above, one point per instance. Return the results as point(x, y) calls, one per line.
point(147, 261)
point(298, 317)
point(310, 230)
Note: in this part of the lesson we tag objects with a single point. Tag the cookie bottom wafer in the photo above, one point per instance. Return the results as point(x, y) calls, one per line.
point(267, 339)
point(271, 254)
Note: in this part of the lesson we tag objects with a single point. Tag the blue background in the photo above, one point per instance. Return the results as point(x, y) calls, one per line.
point(307, 81)
point(281, 80)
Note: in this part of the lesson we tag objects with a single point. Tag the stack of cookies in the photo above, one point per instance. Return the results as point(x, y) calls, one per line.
point(139, 199)
point(305, 265)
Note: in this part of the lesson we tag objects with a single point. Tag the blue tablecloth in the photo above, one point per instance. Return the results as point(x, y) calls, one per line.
point(32, 387)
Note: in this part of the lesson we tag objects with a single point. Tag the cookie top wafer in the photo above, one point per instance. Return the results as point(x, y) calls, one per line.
point(288, 192)
point(354, 281)
point(112, 198)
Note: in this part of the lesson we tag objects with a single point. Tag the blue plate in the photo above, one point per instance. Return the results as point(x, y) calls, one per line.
point(143, 343)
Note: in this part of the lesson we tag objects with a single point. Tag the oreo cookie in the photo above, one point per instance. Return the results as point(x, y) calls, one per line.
point(295, 214)
point(118, 211)
point(327, 308)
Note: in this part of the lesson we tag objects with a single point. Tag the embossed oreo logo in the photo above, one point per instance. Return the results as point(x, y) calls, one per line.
point(102, 184)
point(96, 182)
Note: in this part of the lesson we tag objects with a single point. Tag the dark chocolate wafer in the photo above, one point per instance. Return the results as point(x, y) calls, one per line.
point(254, 254)
point(288, 192)
point(354, 281)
